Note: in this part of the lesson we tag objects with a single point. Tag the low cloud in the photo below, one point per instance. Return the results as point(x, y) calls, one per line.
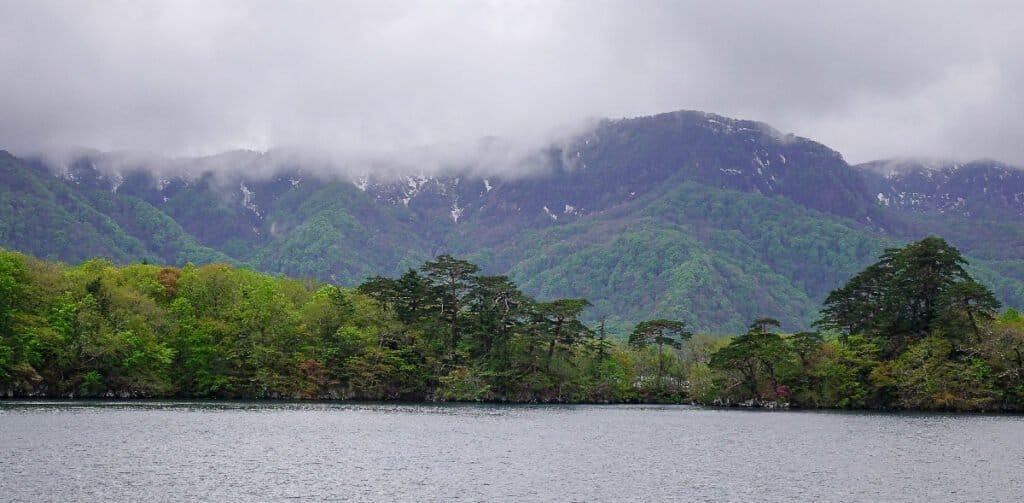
point(354, 80)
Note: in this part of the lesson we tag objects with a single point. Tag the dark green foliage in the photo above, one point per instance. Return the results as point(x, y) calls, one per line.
point(752, 359)
point(450, 281)
point(965, 307)
point(660, 333)
point(907, 295)
point(912, 331)
point(559, 323)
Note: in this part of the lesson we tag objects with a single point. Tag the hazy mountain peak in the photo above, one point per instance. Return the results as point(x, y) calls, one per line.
point(656, 201)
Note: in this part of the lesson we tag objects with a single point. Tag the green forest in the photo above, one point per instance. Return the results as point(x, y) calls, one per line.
point(912, 331)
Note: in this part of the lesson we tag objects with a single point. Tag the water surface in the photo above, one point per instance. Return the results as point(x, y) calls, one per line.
point(210, 451)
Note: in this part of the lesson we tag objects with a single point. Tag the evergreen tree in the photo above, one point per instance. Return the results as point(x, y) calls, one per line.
point(907, 294)
point(451, 279)
point(754, 358)
point(561, 324)
point(660, 332)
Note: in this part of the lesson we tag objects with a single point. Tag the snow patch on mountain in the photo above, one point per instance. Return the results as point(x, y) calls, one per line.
point(761, 166)
point(116, 181)
point(413, 186)
point(456, 211)
point(248, 200)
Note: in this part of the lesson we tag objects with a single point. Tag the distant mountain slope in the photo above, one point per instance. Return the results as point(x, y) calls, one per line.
point(686, 215)
point(332, 230)
point(726, 153)
point(977, 206)
point(715, 258)
point(982, 189)
point(57, 220)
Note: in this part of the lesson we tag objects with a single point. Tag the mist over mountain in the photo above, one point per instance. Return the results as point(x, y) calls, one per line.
point(685, 215)
point(200, 78)
point(981, 189)
point(359, 212)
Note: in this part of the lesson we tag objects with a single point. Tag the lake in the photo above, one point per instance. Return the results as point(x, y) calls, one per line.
point(213, 451)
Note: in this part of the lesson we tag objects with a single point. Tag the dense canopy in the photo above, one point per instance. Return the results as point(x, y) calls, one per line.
point(913, 330)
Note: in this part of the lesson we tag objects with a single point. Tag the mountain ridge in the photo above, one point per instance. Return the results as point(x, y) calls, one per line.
point(686, 214)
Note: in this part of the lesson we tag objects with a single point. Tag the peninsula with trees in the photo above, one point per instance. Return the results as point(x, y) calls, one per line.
point(912, 331)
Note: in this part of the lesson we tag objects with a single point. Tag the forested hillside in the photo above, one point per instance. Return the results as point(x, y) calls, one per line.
point(685, 215)
point(912, 331)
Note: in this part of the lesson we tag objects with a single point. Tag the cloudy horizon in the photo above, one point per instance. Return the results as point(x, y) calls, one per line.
point(871, 80)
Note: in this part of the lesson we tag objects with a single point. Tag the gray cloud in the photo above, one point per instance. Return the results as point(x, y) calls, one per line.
point(871, 79)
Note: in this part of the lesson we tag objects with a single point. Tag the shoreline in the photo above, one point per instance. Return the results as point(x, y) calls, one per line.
point(86, 401)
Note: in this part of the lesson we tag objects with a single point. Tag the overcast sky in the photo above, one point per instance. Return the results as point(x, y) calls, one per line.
point(870, 79)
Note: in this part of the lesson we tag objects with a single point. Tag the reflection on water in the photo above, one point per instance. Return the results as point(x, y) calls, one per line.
point(257, 451)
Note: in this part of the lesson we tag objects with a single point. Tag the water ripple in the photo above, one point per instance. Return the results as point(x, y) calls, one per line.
point(257, 451)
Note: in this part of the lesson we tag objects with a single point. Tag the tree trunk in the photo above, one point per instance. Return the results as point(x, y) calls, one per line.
point(660, 365)
point(551, 346)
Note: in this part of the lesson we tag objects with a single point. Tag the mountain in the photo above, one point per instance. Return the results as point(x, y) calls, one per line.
point(684, 215)
point(982, 189)
point(59, 219)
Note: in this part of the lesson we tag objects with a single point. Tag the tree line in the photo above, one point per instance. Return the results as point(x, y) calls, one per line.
point(911, 331)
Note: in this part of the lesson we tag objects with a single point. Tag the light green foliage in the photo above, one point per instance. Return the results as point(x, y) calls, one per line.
point(465, 385)
point(98, 330)
point(686, 249)
point(710, 257)
point(450, 333)
point(928, 376)
point(703, 384)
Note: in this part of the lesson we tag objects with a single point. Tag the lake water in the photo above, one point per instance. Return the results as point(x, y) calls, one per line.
point(182, 451)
